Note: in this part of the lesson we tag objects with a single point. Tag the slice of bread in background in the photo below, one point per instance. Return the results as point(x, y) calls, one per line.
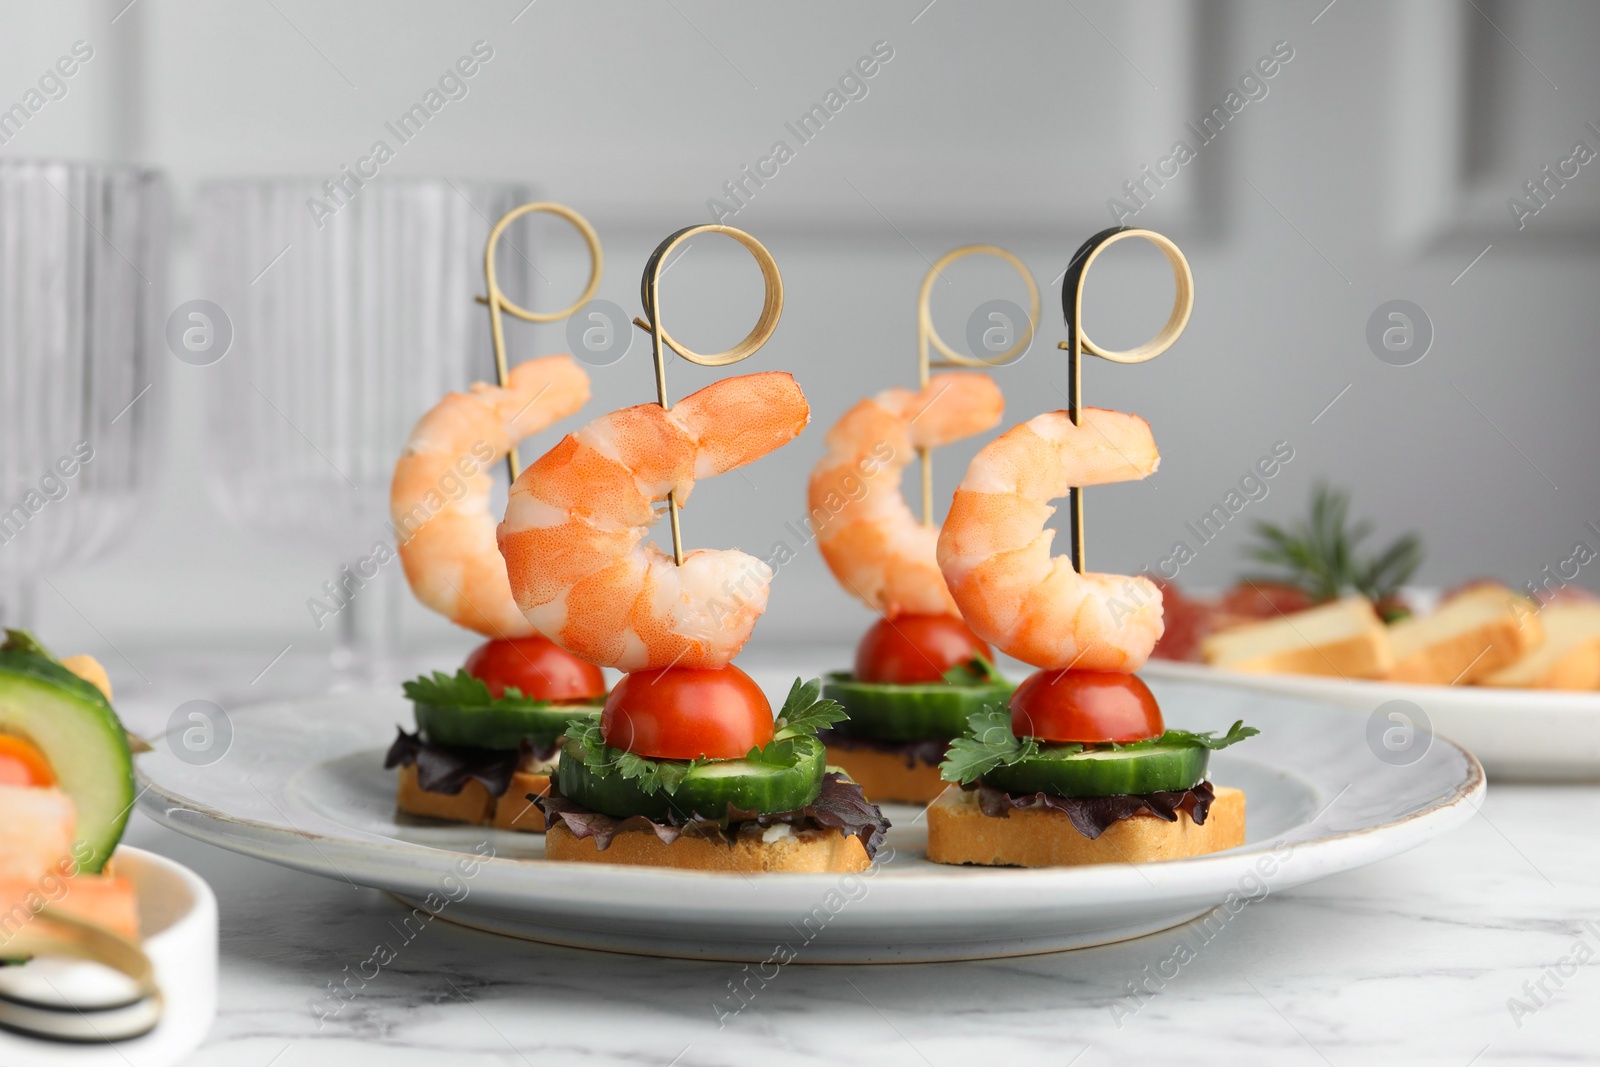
point(475, 805)
point(1344, 638)
point(1569, 658)
point(884, 777)
point(810, 852)
point(959, 832)
point(1472, 635)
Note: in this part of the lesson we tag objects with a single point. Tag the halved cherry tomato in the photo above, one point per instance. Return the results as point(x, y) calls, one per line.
point(538, 667)
point(687, 713)
point(23, 764)
point(916, 648)
point(1088, 706)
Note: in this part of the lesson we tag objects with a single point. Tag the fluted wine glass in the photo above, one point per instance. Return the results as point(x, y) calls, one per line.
point(351, 312)
point(83, 251)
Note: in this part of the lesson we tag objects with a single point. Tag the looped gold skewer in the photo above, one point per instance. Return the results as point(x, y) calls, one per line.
point(58, 933)
point(499, 302)
point(928, 336)
point(650, 295)
point(1078, 342)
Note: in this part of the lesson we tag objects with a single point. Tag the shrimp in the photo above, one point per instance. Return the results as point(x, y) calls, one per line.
point(573, 536)
point(439, 498)
point(36, 831)
point(869, 537)
point(995, 551)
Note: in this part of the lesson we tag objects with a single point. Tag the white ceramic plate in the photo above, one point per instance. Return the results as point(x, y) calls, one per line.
point(178, 918)
point(1523, 734)
point(303, 786)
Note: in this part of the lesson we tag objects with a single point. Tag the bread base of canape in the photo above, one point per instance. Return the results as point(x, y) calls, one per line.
point(959, 832)
point(475, 804)
point(884, 777)
point(805, 852)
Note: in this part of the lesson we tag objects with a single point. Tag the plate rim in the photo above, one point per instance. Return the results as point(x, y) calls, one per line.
point(160, 804)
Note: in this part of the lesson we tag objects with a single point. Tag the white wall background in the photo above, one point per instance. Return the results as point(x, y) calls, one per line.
point(1377, 167)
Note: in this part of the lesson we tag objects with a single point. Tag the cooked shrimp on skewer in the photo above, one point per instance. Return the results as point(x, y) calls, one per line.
point(995, 551)
point(439, 499)
point(573, 536)
point(867, 533)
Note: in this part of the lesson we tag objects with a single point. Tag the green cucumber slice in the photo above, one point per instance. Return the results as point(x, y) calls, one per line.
point(70, 721)
point(706, 790)
point(910, 712)
point(498, 725)
point(1103, 772)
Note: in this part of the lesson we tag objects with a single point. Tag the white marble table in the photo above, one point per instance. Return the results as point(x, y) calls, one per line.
point(1413, 960)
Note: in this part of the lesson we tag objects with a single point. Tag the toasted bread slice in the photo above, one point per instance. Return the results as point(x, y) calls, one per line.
point(885, 777)
point(1472, 635)
point(1569, 658)
point(1344, 638)
point(959, 832)
point(475, 805)
point(809, 851)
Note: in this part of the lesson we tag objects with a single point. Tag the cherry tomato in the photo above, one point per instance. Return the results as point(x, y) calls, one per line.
point(1088, 706)
point(916, 648)
point(23, 764)
point(687, 713)
point(538, 667)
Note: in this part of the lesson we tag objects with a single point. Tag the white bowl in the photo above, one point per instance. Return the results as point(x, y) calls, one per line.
point(178, 919)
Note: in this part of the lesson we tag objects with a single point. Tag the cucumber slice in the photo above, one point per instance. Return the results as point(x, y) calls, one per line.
point(706, 790)
point(910, 712)
point(498, 725)
point(70, 721)
point(1103, 772)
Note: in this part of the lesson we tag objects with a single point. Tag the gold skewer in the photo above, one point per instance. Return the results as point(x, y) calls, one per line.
point(651, 323)
point(498, 302)
point(60, 934)
point(927, 335)
point(1078, 342)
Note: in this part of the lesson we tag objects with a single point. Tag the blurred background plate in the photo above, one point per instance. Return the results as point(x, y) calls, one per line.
point(303, 786)
point(1522, 734)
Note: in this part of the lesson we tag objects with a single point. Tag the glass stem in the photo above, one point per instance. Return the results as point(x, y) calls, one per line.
point(368, 644)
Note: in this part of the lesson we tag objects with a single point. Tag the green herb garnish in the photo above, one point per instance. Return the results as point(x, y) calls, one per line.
point(978, 670)
point(464, 691)
point(987, 744)
point(1236, 733)
point(804, 712)
point(1320, 555)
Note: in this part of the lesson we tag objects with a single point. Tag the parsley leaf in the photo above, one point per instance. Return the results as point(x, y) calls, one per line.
point(464, 691)
point(987, 744)
point(1185, 738)
point(805, 711)
point(978, 670)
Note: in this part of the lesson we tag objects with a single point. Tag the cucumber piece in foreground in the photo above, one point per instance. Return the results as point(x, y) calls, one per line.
point(1103, 772)
point(72, 724)
point(707, 789)
point(498, 725)
point(887, 712)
